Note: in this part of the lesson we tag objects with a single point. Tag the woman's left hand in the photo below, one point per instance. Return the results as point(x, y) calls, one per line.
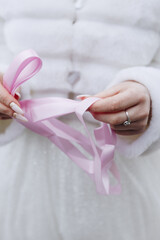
point(129, 96)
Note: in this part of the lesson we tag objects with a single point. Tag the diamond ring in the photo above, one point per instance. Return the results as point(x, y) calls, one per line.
point(128, 121)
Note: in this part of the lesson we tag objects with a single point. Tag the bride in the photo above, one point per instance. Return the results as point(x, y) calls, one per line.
point(108, 49)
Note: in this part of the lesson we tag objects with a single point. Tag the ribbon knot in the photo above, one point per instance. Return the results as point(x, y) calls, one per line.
point(42, 117)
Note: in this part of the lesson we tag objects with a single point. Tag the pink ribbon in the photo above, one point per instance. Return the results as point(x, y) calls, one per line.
point(42, 118)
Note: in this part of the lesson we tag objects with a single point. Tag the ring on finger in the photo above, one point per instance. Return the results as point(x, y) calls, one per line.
point(128, 121)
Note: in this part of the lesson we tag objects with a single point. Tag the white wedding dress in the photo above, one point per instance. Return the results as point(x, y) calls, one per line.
point(83, 44)
point(44, 195)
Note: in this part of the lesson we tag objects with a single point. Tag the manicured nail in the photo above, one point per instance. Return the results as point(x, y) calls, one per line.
point(16, 108)
point(20, 117)
point(17, 95)
point(82, 96)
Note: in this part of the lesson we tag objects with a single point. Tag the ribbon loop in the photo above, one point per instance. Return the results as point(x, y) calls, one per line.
point(42, 117)
point(24, 66)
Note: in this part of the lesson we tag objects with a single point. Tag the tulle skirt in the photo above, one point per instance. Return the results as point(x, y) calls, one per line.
point(44, 195)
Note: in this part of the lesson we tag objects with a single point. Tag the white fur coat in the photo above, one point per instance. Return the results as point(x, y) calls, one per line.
point(102, 42)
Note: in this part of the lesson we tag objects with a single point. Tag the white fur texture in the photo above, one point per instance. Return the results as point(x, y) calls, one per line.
point(47, 37)
point(84, 41)
point(143, 14)
point(37, 9)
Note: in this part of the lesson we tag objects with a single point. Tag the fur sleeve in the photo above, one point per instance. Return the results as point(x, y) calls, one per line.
point(150, 77)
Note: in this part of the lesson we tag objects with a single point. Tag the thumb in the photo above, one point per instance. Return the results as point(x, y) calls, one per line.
point(109, 92)
point(104, 94)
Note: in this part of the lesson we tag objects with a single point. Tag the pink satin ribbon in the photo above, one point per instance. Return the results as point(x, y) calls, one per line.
point(42, 118)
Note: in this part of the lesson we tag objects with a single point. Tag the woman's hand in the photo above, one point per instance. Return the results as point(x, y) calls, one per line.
point(129, 96)
point(9, 105)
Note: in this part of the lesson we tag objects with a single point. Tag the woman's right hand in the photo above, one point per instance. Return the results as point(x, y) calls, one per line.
point(9, 105)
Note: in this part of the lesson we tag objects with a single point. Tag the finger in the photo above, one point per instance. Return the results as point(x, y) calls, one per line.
point(138, 125)
point(135, 113)
point(17, 96)
point(109, 92)
point(106, 93)
point(111, 118)
point(9, 112)
point(9, 101)
point(129, 132)
point(83, 96)
point(5, 97)
point(3, 115)
point(115, 103)
point(5, 118)
point(6, 110)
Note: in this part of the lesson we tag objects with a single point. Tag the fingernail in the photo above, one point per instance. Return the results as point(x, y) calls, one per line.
point(16, 108)
point(20, 117)
point(17, 95)
point(82, 96)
